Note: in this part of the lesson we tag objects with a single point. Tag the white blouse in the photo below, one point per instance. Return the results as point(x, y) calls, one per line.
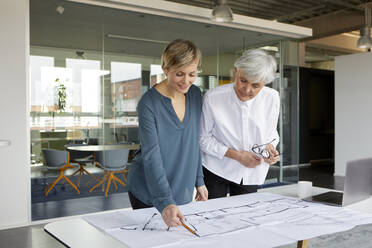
point(227, 122)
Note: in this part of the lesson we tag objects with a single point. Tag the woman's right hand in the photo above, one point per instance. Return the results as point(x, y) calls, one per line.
point(172, 215)
point(249, 159)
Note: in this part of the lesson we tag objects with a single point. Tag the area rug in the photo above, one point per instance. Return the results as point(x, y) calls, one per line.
point(65, 191)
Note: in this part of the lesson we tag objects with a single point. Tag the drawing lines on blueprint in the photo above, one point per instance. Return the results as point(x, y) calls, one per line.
point(231, 219)
point(255, 214)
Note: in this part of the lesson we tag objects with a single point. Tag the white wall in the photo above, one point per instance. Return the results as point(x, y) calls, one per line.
point(353, 109)
point(14, 159)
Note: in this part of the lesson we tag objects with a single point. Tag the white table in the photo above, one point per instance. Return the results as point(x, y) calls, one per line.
point(78, 233)
point(291, 190)
point(96, 148)
point(69, 231)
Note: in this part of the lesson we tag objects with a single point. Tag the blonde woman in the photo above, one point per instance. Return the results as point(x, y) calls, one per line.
point(168, 168)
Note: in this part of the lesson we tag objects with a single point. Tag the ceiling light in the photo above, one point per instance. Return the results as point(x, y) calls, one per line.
point(365, 32)
point(270, 48)
point(365, 40)
point(136, 38)
point(222, 12)
point(80, 55)
point(60, 9)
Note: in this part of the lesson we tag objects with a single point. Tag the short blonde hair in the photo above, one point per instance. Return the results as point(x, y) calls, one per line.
point(180, 53)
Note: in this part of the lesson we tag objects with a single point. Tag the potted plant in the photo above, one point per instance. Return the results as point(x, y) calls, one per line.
point(61, 95)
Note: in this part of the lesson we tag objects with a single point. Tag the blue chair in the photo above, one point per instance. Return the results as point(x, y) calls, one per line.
point(82, 158)
point(57, 160)
point(111, 161)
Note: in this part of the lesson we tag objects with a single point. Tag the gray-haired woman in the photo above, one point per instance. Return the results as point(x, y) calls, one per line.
point(238, 128)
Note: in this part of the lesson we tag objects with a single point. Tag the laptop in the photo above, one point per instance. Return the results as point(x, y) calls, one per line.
point(357, 186)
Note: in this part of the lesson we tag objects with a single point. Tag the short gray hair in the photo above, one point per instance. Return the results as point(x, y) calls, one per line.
point(257, 65)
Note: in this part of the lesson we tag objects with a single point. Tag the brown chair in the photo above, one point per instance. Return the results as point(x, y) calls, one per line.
point(57, 160)
point(112, 162)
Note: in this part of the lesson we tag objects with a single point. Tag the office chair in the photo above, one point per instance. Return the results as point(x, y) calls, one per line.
point(82, 158)
point(111, 161)
point(57, 160)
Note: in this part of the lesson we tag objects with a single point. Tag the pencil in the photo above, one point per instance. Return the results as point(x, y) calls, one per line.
point(189, 229)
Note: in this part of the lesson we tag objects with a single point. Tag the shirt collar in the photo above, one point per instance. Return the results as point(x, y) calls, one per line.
point(236, 99)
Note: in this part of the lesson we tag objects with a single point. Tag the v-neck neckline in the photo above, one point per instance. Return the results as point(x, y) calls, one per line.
point(168, 104)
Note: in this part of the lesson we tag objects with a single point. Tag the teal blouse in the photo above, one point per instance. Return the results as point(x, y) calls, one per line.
point(168, 166)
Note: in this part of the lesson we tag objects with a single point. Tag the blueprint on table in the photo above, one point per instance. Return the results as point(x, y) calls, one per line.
point(262, 219)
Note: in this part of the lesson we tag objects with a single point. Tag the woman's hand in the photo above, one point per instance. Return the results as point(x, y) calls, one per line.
point(201, 193)
point(274, 155)
point(172, 215)
point(249, 159)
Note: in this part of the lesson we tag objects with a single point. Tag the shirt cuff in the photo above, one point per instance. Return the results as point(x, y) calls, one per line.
point(161, 202)
point(222, 151)
point(199, 181)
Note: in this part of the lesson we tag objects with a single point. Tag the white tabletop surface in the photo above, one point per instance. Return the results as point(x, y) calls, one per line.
point(69, 232)
point(79, 233)
point(95, 148)
point(291, 190)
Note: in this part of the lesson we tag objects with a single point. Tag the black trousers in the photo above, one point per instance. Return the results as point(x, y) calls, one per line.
point(137, 204)
point(219, 187)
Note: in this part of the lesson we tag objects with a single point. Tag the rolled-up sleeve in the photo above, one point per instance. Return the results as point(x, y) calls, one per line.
point(155, 174)
point(208, 143)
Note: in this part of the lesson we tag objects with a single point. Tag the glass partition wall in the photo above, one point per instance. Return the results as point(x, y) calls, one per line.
point(89, 67)
point(289, 112)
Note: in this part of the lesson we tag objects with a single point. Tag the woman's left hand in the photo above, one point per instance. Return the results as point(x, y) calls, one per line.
point(274, 155)
point(201, 193)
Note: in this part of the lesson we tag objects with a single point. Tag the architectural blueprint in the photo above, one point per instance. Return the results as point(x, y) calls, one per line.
point(259, 215)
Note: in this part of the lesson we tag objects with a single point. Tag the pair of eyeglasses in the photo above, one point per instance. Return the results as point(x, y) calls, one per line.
point(261, 150)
